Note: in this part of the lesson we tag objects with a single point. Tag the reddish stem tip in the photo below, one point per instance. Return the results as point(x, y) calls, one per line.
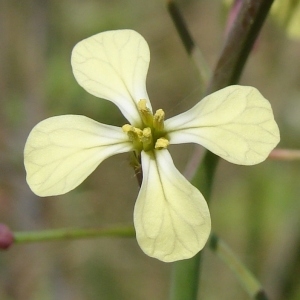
point(6, 237)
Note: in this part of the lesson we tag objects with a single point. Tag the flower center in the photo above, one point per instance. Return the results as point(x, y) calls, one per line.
point(151, 135)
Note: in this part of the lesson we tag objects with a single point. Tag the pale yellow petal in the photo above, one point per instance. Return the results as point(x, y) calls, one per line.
point(62, 151)
point(113, 65)
point(171, 216)
point(236, 123)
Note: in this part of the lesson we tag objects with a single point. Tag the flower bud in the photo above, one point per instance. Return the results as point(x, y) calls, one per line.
point(6, 237)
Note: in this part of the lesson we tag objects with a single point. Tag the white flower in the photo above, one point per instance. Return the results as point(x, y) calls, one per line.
point(171, 217)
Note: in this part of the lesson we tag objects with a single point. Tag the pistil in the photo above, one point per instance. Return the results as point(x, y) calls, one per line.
point(147, 139)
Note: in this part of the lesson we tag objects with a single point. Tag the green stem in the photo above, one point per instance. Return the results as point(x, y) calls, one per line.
point(246, 278)
point(239, 43)
point(71, 234)
point(183, 285)
point(228, 70)
point(186, 289)
point(186, 273)
point(252, 286)
point(203, 178)
point(190, 46)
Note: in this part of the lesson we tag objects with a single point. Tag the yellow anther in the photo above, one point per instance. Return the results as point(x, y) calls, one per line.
point(134, 134)
point(142, 105)
point(150, 135)
point(138, 132)
point(126, 128)
point(161, 143)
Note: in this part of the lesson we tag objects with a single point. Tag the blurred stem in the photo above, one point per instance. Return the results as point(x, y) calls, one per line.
point(251, 285)
point(285, 154)
point(185, 274)
point(239, 43)
point(215, 244)
point(247, 280)
point(185, 279)
point(72, 233)
point(190, 46)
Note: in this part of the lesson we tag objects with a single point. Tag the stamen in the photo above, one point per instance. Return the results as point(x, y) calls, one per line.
point(134, 135)
point(158, 120)
point(145, 113)
point(161, 143)
point(152, 136)
point(127, 127)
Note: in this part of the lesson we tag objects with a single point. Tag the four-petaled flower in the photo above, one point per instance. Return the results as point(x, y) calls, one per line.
point(171, 217)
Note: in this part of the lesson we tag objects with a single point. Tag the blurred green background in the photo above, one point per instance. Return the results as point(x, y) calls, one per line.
point(256, 210)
